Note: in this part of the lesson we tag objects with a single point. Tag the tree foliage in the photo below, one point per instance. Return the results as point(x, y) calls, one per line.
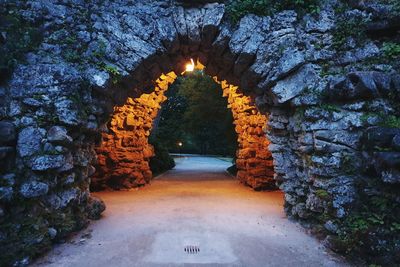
point(196, 114)
point(237, 9)
point(161, 161)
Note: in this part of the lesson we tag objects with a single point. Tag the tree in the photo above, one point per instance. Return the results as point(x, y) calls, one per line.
point(196, 114)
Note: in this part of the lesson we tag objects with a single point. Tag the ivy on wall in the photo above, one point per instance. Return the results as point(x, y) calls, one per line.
point(237, 9)
point(17, 37)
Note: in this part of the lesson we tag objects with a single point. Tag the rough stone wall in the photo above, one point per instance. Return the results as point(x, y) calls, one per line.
point(124, 153)
point(331, 111)
point(253, 159)
point(338, 166)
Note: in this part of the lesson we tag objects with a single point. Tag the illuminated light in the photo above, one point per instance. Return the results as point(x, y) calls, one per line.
point(190, 66)
point(180, 144)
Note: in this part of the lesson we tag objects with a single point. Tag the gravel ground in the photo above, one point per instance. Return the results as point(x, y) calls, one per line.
point(196, 205)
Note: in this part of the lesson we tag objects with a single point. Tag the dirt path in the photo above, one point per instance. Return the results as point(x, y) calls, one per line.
point(196, 204)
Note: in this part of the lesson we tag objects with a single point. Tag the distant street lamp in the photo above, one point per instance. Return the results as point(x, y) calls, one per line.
point(180, 147)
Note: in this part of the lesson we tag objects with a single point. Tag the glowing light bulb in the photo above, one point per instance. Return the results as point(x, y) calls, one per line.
point(190, 66)
point(180, 144)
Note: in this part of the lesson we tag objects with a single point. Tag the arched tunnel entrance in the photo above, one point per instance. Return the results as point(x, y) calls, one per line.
point(78, 112)
point(124, 152)
point(182, 200)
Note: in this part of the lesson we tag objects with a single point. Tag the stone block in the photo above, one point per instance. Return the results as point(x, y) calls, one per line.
point(95, 207)
point(293, 85)
point(47, 162)
point(246, 153)
point(381, 137)
point(29, 141)
point(33, 189)
point(263, 154)
point(58, 135)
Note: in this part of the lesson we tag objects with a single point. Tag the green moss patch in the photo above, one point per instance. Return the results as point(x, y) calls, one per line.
point(17, 37)
point(237, 9)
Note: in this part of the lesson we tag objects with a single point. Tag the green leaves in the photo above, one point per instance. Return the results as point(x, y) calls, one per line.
point(353, 27)
point(385, 120)
point(395, 226)
point(323, 194)
point(114, 73)
point(377, 214)
point(358, 223)
point(17, 37)
point(161, 161)
point(391, 50)
point(197, 115)
point(237, 9)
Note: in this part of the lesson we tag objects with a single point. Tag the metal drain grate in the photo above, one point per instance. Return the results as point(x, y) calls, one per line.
point(192, 249)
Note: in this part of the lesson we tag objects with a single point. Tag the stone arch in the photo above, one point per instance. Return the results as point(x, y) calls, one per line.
point(53, 108)
point(232, 54)
point(59, 107)
point(124, 153)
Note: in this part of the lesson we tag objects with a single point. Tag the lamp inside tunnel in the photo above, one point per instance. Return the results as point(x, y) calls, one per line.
point(190, 66)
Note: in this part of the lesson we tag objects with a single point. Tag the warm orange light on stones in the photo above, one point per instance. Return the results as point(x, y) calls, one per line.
point(124, 155)
point(253, 159)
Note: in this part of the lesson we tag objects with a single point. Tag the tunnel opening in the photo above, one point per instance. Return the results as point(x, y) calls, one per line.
point(124, 152)
point(195, 119)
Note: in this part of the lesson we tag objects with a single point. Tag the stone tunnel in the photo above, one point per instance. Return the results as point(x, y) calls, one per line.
point(124, 152)
point(308, 116)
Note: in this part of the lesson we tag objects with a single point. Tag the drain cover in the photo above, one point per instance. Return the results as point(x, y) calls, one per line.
point(192, 249)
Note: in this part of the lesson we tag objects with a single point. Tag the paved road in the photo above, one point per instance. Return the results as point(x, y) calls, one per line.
point(197, 204)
